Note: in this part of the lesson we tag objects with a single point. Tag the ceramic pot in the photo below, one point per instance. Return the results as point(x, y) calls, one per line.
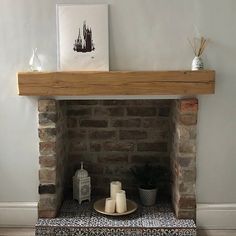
point(148, 196)
point(197, 63)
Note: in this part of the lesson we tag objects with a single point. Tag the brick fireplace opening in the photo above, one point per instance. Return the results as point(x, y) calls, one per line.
point(111, 136)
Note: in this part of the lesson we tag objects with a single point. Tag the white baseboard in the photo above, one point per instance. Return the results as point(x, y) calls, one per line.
point(209, 216)
point(216, 216)
point(18, 214)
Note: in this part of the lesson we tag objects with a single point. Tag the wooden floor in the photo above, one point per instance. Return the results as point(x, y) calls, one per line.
point(30, 232)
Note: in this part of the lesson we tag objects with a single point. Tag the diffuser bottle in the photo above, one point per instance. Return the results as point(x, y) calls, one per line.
point(34, 62)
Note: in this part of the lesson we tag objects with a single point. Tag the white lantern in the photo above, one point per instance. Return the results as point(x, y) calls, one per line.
point(81, 185)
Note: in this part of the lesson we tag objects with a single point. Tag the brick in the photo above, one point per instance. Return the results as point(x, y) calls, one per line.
point(47, 188)
point(102, 134)
point(47, 148)
point(115, 111)
point(100, 191)
point(71, 122)
point(188, 105)
point(47, 106)
point(79, 112)
point(192, 132)
point(118, 146)
point(187, 146)
point(113, 158)
point(78, 146)
point(186, 202)
point(186, 161)
point(132, 134)
point(47, 161)
point(47, 202)
point(82, 102)
point(47, 119)
point(87, 158)
point(158, 135)
point(47, 213)
point(186, 133)
point(141, 111)
point(164, 111)
point(99, 180)
point(47, 175)
point(158, 147)
point(94, 169)
point(128, 123)
point(187, 188)
point(176, 169)
point(186, 214)
point(60, 130)
point(188, 176)
point(183, 132)
point(114, 102)
point(47, 134)
point(148, 102)
point(188, 119)
point(148, 158)
point(116, 170)
point(95, 147)
point(141, 102)
point(76, 133)
point(94, 123)
point(160, 124)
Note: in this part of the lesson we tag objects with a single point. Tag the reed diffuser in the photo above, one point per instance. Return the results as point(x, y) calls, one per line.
point(198, 45)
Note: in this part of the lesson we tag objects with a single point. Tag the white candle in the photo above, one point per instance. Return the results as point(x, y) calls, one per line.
point(110, 205)
point(115, 186)
point(121, 205)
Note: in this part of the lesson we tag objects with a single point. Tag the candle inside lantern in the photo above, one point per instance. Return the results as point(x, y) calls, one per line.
point(110, 205)
point(115, 186)
point(121, 205)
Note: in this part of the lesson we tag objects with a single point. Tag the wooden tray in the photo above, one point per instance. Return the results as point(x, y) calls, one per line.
point(99, 206)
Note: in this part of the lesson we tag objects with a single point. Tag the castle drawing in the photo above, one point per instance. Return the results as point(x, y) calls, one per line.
point(84, 44)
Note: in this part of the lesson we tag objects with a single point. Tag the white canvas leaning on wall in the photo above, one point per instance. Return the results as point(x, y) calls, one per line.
point(83, 37)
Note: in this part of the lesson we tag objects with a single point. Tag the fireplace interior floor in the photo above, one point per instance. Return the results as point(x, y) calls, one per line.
point(75, 219)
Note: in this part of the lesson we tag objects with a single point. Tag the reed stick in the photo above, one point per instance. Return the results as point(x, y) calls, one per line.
point(198, 45)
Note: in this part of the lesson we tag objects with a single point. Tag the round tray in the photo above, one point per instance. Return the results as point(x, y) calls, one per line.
point(99, 206)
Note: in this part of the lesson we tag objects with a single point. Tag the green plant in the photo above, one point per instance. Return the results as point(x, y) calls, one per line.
point(149, 177)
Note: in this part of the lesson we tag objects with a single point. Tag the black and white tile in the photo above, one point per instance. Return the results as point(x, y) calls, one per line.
point(82, 220)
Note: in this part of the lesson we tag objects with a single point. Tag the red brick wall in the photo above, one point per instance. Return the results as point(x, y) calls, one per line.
point(110, 136)
point(53, 155)
point(183, 157)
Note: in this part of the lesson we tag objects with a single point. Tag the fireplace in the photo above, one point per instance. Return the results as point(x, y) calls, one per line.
point(110, 137)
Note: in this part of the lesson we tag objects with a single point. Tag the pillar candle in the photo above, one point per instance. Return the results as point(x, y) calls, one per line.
point(115, 186)
point(110, 205)
point(121, 205)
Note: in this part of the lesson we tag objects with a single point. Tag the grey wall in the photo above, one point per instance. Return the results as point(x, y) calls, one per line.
point(144, 35)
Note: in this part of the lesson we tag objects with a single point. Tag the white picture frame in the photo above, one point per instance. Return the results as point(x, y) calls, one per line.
point(82, 32)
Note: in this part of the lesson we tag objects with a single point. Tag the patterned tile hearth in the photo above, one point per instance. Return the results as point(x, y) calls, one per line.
point(83, 220)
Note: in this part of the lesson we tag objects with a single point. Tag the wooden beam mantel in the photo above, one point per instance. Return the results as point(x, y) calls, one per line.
point(116, 83)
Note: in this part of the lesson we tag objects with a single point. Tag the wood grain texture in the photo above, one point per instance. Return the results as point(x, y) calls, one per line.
point(116, 83)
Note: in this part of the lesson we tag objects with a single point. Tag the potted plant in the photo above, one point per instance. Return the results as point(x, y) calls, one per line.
point(149, 179)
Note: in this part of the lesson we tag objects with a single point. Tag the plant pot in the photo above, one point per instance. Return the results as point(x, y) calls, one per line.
point(148, 196)
point(197, 63)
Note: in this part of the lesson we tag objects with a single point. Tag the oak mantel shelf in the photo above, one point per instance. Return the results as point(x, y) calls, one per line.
point(116, 83)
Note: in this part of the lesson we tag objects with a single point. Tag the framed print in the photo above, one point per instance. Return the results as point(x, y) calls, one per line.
point(83, 37)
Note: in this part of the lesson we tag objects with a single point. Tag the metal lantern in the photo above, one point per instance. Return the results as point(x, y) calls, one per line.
point(81, 185)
